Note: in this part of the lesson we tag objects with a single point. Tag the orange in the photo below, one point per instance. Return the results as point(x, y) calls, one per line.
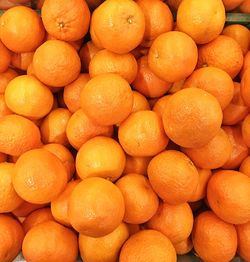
point(4, 110)
point(173, 48)
point(148, 245)
point(22, 60)
point(245, 83)
point(136, 164)
point(107, 99)
point(5, 78)
point(215, 81)
point(64, 155)
point(173, 177)
point(215, 54)
point(26, 208)
point(246, 63)
point(81, 128)
point(112, 20)
point(100, 157)
point(85, 213)
point(147, 83)
point(245, 129)
point(105, 61)
point(5, 58)
point(240, 149)
point(184, 247)
point(232, 4)
point(11, 237)
point(9, 200)
point(142, 134)
point(214, 154)
point(39, 176)
point(245, 7)
point(39, 4)
point(56, 63)
point(234, 207)
point(243, 233)
point(192, 117)
point(245, 166)
point(201, 190)
point(203, 22)
point(158, 17)
point(174, 221)
point(177, 86)
point(21, 29)
point(160, 105)
point(59, 206)
point(18, 135)
point(27, 96)
point(239, 33)
point(141, 202)
point(72, 92)
point(50, 241)
point(236, 111)
point(53, 127)
point(140, 102)
point(3, 157)
point(37, 217)
point(213, 239)
point(86, 54)
point(103, 249)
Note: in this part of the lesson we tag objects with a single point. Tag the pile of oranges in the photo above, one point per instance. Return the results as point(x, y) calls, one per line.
point(124, 135)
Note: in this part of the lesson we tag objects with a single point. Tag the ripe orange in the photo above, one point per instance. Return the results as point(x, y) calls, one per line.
point(147, 83)
point(148, 245)
point(84, 212)
point(203, 22)
point(245, 7)
point(56, 63)
point(243, 233)
point(4, 110)
point(5, 58)
point(215, 81)
point(136, 164)
point(174, 221)
point(37, 217)
point(113, 20)
point(240, 34)
point(231, 4)
point(234, 207)
point(173, 48)
point(22, 60)
point(21, 29)
point(177, 86)
point(39, 176)
point(103, 249)
point(184, 247)
point(72, 92)
point(173, 177)
point(140, 102)
point(213, 239)
point(160, 105)
point(245, 166)
point(26, 208)
point(246, 63)
point(53, 127)
point(141, 202)
point(105, 61)
point(192, 117)
point(214, 54)
point(50, 240)
point(18, 135)
point(107, 99)
point(245, 129)
point(142, 134)
point(245, 83)
point(5, 78)
point(11, 237)
point(66, 20)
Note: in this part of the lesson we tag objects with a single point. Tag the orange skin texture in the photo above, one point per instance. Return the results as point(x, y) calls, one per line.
point(18, 135)
point(5, 57)
point(245, 7)
point(114, 19)
point(200, 21)
point(65, 25)
point(135, 164)
point(184, 247)
point(147, 83)
point(214, 154)
point(192, 117)
point(213, 239)
point(173, 48)
point(12, 235)
point(160, 105)
point(240, 150)
point(215, 81)
point(245, 130)
point(245, 85)
point(26, 208)
point(148, 245)
point(243, 233)
point(234, 207)
point(236, 111)
point(81, 128)
point(232, 4)
point(173, 185)
point(141, 202)
point(213, 54)
point(246, 63)
point(22, 60)
point(52, 241)
point(4, 110)
point(245, 166)
point(21, 25)
point(49, 66)
point(140, 102)
point(167, 221)
point(5, 78)
point(142, 134)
